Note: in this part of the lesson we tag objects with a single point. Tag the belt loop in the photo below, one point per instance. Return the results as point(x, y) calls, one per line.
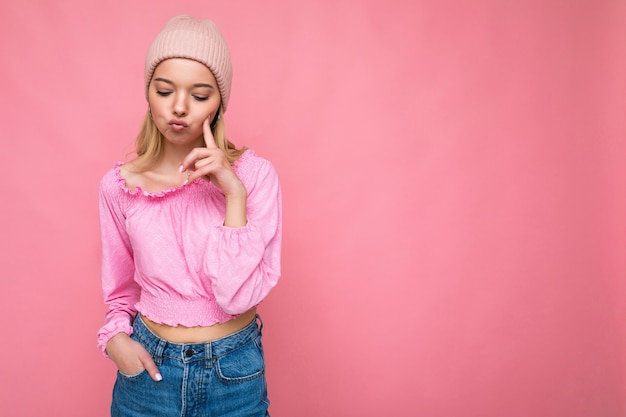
point(158, 353)
point(258, 318)
point(208, 355)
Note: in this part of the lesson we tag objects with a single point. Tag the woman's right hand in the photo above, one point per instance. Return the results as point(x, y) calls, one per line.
point(130, 357)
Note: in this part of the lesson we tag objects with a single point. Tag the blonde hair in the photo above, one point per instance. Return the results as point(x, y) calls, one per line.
point(149, 144)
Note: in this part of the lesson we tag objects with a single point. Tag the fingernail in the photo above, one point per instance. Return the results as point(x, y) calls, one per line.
point(158, 377)
point(186, 182)
point(180, 168)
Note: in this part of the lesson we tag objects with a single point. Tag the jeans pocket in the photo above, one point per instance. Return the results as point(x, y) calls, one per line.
point(132, 376)
point(242, 364)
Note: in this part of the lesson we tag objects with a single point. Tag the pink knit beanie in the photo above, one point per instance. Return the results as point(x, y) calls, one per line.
point(200, 40)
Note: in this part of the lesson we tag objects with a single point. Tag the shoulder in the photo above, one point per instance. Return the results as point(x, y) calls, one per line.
point(260, 179)
point(112, 182)
point(251, 167)
point(129, 175)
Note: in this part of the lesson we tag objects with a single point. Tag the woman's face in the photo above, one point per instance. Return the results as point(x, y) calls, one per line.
point(182, 94)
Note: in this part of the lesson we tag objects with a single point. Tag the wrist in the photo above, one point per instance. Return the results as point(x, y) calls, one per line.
point(115, 339)
point(235, 215)
point(238, 193)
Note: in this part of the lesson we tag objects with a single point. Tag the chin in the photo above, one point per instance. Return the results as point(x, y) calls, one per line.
point(183, 139)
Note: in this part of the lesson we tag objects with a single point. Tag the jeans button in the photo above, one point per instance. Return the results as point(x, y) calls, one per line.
point(189, 353)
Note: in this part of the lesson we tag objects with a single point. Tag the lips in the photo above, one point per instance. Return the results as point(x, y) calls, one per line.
point(177, 125)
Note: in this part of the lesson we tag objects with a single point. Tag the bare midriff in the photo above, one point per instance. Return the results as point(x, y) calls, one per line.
point(200, 334)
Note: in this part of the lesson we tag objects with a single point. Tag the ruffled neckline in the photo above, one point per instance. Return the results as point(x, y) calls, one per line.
point(121, 181)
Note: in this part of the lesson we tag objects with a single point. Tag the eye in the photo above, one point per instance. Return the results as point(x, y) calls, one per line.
point(163, 93)
point(201, 98)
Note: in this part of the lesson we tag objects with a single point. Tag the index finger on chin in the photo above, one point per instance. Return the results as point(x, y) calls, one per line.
point(209, 140)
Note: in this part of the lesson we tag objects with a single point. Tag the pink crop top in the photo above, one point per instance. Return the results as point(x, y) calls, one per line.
point(169, 256)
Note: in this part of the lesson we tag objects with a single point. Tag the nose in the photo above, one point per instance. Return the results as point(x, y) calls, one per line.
point(180, 105)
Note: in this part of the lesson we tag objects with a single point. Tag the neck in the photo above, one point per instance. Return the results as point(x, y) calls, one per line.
point(173, 155)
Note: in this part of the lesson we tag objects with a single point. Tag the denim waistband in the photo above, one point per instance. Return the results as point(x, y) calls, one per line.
point(160, 348)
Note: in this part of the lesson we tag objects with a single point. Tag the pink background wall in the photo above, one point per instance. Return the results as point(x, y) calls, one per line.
point(453, 191)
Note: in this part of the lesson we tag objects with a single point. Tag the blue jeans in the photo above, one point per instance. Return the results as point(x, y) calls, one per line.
point(222, 378)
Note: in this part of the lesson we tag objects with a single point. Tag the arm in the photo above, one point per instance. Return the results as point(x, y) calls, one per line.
point(119, 288)
point(121, 292)
point(243, 263)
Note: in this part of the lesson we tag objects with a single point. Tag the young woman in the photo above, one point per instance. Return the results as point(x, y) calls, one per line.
point(191, 240)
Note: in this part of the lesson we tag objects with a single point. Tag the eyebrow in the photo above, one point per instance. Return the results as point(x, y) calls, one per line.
point(197, 85)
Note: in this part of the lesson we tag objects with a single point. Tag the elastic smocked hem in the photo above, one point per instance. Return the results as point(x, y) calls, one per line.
point(175, 311)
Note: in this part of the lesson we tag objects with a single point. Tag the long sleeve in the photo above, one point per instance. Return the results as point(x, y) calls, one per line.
point(120, 291)
point(244, 263)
